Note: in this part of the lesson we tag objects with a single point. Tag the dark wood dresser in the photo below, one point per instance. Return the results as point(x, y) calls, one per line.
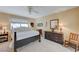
point(53, 36)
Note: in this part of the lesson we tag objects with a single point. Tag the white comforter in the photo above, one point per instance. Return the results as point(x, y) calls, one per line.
point(26, 34)
point(22, 35)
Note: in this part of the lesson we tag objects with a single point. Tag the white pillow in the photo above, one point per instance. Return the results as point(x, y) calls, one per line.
point(21, 29)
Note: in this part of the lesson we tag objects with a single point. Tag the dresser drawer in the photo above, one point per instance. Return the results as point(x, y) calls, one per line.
point(56, 37)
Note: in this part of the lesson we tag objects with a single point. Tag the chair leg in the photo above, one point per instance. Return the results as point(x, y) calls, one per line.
point(76, 48)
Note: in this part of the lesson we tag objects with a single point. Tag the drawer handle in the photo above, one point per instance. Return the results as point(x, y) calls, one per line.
point(56, 37)
point(56, 40)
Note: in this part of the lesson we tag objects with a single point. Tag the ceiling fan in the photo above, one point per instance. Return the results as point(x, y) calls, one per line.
point(31, 10)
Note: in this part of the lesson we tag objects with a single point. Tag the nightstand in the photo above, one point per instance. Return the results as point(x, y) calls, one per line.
point(3, 37)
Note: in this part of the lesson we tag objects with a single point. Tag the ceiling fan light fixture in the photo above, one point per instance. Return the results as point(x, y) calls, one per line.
point(30, 10)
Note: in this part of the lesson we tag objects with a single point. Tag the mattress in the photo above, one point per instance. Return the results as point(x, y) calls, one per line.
point(26, 34)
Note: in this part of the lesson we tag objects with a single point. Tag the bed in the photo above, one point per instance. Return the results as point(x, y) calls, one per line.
point(24, 38)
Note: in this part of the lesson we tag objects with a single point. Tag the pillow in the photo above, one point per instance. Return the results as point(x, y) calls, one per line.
point(21, 29)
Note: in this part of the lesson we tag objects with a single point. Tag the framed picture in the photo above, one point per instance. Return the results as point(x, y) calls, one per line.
point(40, 24)
point(54, 24)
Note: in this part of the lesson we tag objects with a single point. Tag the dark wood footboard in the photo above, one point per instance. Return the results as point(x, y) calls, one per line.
point(25, 41)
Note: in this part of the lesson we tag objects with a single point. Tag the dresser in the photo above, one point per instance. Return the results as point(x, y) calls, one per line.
point(53, 36)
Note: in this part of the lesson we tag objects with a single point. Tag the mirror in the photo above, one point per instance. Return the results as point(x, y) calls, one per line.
point(54, 24)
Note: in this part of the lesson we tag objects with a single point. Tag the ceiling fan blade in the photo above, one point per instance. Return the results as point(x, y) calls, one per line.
point(29, 9)
point(35, 11)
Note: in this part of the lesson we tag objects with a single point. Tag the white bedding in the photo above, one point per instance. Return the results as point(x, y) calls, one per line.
point(26, 34)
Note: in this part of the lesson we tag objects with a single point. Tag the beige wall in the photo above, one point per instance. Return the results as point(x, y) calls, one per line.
point(69, 20)
point(5, 21)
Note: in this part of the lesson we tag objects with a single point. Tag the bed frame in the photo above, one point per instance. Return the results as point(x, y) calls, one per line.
point(25, 41)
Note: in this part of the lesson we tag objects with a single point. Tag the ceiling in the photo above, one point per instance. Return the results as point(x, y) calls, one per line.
point(42, 10)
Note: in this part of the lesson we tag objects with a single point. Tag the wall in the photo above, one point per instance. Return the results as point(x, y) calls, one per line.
point(40, 20)
point(69, 20)
point(5, 21)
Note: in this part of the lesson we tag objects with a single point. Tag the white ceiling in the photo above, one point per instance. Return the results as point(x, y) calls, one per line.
point(42, 10)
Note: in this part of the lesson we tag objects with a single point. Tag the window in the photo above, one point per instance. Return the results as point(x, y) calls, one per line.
point(24, 25)
point(15, 25)
point(18, 25)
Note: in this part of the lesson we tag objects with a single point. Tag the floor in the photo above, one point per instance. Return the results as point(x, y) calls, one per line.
point(4, 47)
point(44, 46)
